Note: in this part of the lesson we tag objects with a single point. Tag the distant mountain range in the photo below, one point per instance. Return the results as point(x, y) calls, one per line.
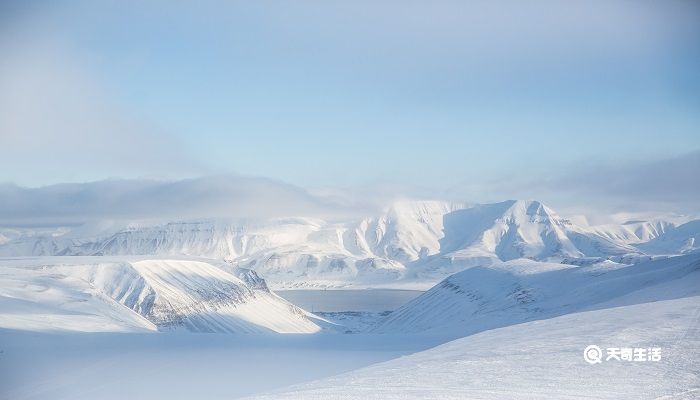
point(409, 244)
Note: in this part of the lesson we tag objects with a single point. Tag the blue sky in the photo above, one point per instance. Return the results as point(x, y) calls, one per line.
point(445, 96)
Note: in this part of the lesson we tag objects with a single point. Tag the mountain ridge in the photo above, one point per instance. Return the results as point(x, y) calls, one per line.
point(408, 241)
point(103, 294)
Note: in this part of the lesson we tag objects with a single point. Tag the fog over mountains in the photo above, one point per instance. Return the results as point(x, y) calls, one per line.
point(408, 244)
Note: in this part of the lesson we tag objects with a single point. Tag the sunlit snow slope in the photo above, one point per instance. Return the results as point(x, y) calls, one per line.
point(108, 294)
point(501, 294)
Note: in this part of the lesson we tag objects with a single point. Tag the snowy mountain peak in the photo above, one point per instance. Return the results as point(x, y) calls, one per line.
point(508, 230)
point(423, 240)
point(528, 211)
point(405, 208)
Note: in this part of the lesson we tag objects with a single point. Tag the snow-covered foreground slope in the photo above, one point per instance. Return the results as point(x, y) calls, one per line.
point(35, 297)
point(541, 360)
point(411, 243)
point(91, 294)
point(501, 294)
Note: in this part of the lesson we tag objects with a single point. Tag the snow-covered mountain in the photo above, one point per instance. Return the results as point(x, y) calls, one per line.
point(92, 294)
point(679, 240)
point(491, 233)
point(634, 231)
point(501, 294)
point(411, 241)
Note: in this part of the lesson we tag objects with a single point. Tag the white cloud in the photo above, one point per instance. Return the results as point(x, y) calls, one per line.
point(224, 196)
point(660, 186)
point(668, 184)
point(56, 121)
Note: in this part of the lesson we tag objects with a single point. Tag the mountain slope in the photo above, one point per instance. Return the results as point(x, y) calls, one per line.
point(633, 232)
point(492, 233)
point(508, 230)
point(94, 294)
point(680, 240)
point(481, 298)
